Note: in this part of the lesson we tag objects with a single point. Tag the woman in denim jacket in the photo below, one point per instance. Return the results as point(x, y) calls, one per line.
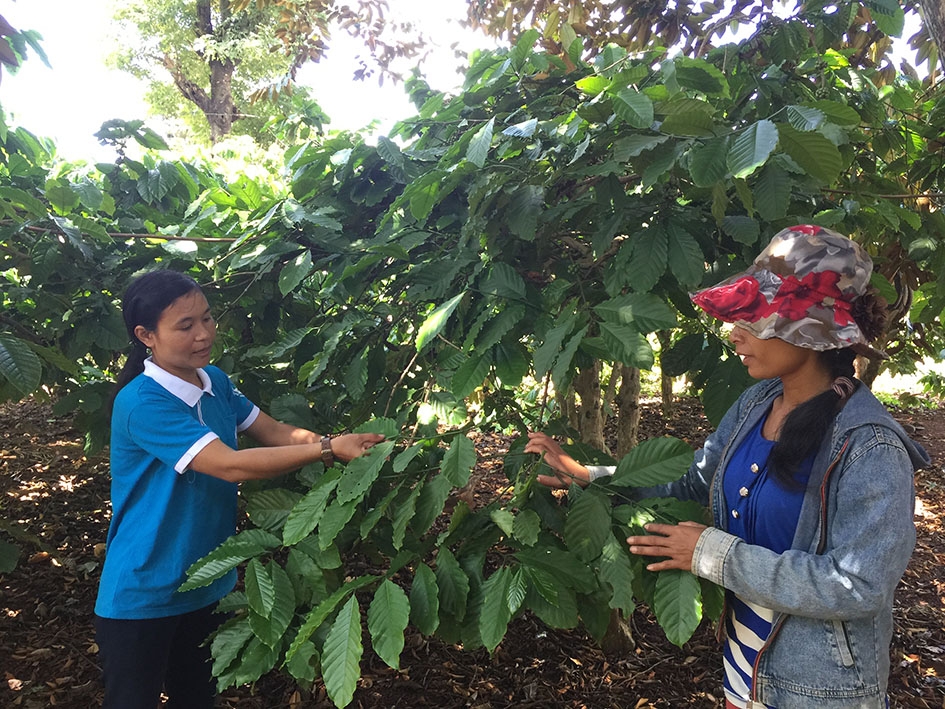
point(810, 483)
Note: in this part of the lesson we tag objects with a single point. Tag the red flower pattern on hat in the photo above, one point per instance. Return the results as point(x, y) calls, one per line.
point(798, 295)
point(740, 300)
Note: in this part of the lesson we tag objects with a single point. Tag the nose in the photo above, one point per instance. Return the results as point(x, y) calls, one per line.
point(736, 335)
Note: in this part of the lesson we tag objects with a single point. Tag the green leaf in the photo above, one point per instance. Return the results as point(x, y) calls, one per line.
point(452, 584)
point(707, 162)
point(479, 146)
point(818, 156)
point(226, 557)
point(634, 108)
point(388, 615)
point(308, 511)
point(525, 129)
point(403, 459)
point(678, 604)
point(650, 256)
point(270, 508)
point(888, 16)
point(526, 527)
point(503, 280)
point(752, 147)
point(430, 503)
point(646, 311)
point(19, 365)
point(319, 614)
point(838, 113)
point(686, 260)
point(617, 572)
point(360, 473)
point(424, 600)
point(560, 373)
point(692, 119)
point(548, 350)
point(511, 364)
point(294, 272)
point(805, 118)
point(627, 345)
point(24, 200)
point(653, 462)
point(744, 230)
point(341, 656)
point(635, 145)
point(9, 556)
point(470, 375)
point(561, 565)
point(259, 588)
point(436, 321)
point(587, 526)
point(773, 192)
point(271, 627)
point(527, 203)
point(700, 75)
point(403, 513)
point(459, 460)
point(495, 616)
point(335, 518)
point(227, 643)
point(724, 385)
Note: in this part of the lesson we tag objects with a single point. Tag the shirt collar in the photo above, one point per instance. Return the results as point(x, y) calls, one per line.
point(185, 391)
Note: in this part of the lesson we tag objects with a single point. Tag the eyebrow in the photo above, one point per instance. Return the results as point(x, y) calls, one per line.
point(184, 321)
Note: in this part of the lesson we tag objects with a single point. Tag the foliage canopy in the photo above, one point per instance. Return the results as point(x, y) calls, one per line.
point(454, 275)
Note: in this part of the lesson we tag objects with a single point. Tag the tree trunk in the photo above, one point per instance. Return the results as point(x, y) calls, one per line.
point(618, 640)
point(628, 410)
point(666, 382)
point(590, 419)
point(933, 17)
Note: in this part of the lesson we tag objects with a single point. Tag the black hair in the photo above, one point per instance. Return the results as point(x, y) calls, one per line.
point(146, 298)
point(806, 426)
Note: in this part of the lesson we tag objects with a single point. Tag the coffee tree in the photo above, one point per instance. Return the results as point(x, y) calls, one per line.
point(545, 223)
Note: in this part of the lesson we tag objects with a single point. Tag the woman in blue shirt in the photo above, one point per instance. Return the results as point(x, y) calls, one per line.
point(809, 480)
point(175, 466)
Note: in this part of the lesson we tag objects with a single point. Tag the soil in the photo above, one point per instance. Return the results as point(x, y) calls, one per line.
point(54, 501)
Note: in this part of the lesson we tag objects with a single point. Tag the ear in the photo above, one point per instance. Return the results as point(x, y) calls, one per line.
point(145, 335)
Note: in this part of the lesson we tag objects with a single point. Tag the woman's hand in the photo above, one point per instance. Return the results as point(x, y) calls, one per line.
point(350, 445)
point(677, 542)
point(567, 469)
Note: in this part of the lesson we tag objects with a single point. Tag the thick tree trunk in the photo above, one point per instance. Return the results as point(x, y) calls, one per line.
point(590, 418)
point(218, 106)
point(933, 15)
point(628, 410)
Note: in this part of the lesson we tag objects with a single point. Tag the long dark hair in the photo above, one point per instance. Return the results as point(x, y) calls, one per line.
point(146, 298)
point(806, 426)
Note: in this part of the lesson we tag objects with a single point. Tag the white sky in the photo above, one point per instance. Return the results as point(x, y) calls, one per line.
point(70, 101)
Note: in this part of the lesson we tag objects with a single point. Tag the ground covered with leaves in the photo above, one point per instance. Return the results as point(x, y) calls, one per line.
point(54, 502)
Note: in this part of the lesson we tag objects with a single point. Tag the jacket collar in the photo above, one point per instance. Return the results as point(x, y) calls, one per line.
point(185, 391)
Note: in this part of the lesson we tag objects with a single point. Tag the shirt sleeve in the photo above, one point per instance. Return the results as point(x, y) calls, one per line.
point(166, 428)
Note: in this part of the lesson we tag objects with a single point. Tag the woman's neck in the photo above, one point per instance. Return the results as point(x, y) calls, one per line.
point(802, 386)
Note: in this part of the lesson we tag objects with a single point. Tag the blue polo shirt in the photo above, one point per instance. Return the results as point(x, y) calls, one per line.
point(165, 515)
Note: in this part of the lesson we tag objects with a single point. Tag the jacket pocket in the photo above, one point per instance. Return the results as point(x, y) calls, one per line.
point(843, 643)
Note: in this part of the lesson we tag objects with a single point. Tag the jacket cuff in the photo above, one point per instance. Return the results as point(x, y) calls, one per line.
point(595, 472)
point(712, 548)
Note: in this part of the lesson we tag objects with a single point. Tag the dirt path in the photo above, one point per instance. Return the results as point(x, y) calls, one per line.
point(57, 502)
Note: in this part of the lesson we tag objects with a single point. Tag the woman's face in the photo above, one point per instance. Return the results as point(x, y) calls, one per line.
point(183, 337)
point(767, 359)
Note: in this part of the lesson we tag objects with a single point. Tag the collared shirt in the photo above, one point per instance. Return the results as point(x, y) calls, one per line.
point(165, 515)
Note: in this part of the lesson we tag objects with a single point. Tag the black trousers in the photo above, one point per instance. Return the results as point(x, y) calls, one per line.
point(140, 658)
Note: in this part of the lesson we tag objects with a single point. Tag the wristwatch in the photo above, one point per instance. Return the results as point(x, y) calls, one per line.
point(328, 455)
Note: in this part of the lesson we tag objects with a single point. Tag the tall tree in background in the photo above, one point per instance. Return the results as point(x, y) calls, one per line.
point(933, 16)
point(223, 57)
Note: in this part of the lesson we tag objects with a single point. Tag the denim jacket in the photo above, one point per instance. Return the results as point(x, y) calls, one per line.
point(832, 592)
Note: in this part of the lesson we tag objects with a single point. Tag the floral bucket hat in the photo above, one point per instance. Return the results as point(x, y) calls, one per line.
point(800, 289)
